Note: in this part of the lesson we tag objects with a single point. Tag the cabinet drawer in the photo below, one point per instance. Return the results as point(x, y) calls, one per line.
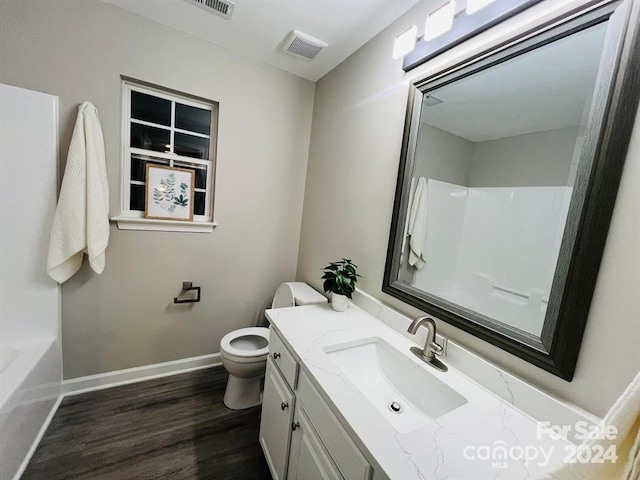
point(283, 359)
point(344, 452)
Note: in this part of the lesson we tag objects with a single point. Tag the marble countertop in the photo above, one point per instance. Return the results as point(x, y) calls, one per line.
point(486, 438)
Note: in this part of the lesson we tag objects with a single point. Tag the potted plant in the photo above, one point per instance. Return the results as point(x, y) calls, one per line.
point(340, 279)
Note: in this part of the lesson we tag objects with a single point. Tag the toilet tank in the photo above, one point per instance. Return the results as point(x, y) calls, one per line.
point(294, 294)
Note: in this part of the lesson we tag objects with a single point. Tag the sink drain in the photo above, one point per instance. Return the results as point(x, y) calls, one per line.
point(395, 407)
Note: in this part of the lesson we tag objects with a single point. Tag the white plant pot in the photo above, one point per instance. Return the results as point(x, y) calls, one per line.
point(339, 302)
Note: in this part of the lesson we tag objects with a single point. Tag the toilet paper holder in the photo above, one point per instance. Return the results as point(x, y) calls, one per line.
point(187, 287)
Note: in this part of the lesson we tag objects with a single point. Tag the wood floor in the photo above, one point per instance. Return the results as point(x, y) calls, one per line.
point(170, 428)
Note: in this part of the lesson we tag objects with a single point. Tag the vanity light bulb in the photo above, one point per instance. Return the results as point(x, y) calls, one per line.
point(405, 42)
point(440, 21)
point(474, 5)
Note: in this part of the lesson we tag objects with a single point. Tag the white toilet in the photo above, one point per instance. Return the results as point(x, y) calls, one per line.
point(244, 351)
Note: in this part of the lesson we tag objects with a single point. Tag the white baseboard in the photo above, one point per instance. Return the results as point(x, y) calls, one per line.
point(101, 381)
point(36, 442)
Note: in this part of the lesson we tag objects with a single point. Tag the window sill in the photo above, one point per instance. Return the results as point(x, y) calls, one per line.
point(150, 224)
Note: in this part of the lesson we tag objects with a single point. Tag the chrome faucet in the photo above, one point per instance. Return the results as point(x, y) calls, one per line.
point(431, 348)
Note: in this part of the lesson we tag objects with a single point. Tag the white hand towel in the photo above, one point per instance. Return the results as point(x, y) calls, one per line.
point(625, 416)
point(81, 222)
point(418, 225)
point(405, 237)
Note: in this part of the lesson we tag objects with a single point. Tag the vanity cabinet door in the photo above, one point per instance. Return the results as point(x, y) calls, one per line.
point(275, 424)
point(309, 458)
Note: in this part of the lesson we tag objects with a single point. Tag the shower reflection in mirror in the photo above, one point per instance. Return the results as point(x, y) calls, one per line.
point(495, 161)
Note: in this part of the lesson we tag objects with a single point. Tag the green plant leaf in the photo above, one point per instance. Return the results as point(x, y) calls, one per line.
point(330, 285)
point(340, 277)
point(181, 201)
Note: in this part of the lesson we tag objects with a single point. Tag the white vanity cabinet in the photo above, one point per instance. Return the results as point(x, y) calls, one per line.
point(275, 425)
point(300, 436)
point(309, 459)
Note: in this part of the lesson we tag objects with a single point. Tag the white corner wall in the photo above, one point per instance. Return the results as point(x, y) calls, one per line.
point(30, 349)
point(29, 299)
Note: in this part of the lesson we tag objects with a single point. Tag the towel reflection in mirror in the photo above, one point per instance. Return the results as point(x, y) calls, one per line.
point(417, 224)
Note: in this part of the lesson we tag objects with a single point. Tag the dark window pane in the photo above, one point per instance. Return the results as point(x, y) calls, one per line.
point(190, 146)
point(150, 109)
point(200, 173)
point(136, 201)
point(139, 166)
point(149, 138)
point(198, 203)
point(193, 119)
point(201, 177)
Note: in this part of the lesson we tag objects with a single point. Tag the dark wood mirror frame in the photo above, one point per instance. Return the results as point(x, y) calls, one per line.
point(612, 114)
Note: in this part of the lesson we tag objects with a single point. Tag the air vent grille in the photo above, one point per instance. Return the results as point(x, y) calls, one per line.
point(303, 49)
point(431, 101)
point(223, 8)
point(303, 45)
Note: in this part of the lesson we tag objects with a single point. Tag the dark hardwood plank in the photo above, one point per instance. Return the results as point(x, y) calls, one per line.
point(174, 427)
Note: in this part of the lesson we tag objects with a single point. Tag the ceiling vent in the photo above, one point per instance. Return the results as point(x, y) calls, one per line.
point(303, 46)
point(431, 101)
point(223, 8)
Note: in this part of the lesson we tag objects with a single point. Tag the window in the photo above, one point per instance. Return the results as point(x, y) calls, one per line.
point(161, 127)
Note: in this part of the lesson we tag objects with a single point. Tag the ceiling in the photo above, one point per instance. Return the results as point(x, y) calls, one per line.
point(258, 28)
point(545, 89)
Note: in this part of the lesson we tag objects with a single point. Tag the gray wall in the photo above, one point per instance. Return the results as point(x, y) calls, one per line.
point(443, 156)
point(125, 317)
point(540, 159)
point(533, 159)
point(353, 162)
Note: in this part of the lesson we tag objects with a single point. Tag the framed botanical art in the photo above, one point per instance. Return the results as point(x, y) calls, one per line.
point(169, 193)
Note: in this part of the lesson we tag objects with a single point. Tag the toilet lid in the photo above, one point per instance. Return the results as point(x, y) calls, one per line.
point(246, 342)
point(291, 294)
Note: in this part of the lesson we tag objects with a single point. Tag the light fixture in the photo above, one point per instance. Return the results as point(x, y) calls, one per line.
point(440, 21)
point(474, 5)
point(405, 42)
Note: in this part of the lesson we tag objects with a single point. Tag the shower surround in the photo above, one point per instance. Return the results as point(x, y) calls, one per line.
point(30, 353)
point(504, 243)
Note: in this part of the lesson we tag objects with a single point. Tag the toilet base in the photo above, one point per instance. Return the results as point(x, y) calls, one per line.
point(242, 393)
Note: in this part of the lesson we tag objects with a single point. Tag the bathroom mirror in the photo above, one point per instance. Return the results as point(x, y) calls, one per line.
point(508, 176)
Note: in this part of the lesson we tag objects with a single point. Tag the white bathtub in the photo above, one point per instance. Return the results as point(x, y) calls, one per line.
point(29, 389)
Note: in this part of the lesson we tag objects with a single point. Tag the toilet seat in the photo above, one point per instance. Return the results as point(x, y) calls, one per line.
point(244, 352)
point(245, 355)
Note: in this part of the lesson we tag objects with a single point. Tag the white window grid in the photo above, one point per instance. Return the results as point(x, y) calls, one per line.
point(168, 158)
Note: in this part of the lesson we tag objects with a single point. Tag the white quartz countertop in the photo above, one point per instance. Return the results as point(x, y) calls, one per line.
point(486, 438)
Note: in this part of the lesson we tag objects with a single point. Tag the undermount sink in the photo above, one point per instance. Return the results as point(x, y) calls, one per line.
point(403, 391)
